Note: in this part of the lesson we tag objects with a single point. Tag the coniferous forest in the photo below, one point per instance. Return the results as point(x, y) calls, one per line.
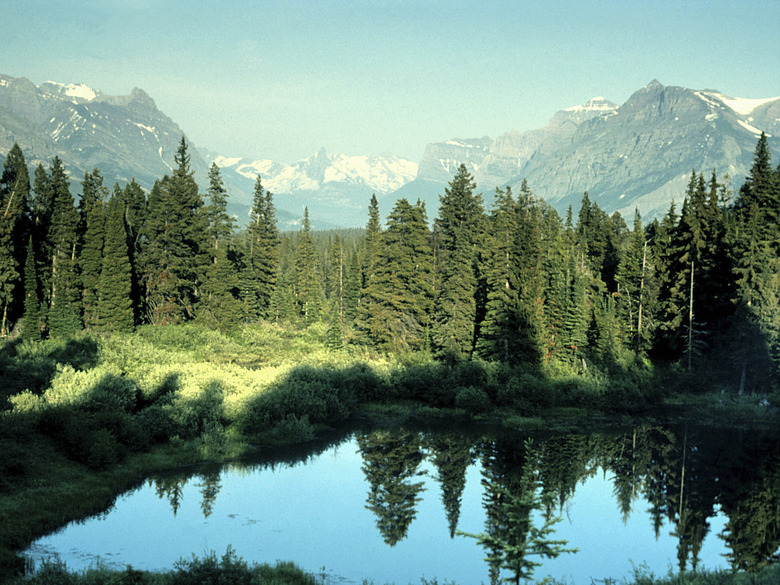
point(146, 329)
point(516, 283)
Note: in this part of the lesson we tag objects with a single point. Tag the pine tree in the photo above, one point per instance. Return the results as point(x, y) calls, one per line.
point(32, 304)
point(220, 306)
point(352, 289)
point(114, 294)
point(460, 226)
point(14, 193)
point(175, 258)
point(500, 329)
point(372, 240)
point(394, 311)
point(261, 256)
point(64, 314)
point(308, 279)
point(220, 223)
point(92, 226)
point(135, 207)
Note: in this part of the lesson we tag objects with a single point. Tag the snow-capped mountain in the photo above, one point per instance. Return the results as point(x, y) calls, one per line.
point(382, 173)
point(636, 155)
point(336, 188)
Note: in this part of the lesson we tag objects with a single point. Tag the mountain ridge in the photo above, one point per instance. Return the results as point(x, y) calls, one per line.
point(636, 155)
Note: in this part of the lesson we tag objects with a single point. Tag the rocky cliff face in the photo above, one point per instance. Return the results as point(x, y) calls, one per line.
point(123, 136)
point(642, 154)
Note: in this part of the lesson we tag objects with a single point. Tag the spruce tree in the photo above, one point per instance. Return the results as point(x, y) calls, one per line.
point(92, 226)
point(114, 294)
point(14, 193)
point(135, 207)
point(394, 311)
point(261, 256)
point(64, 312)
point(220, 306)
point(220, 223)
point(372, 245)
point(500, 329)
point(32, 305)
point(175, 259)
point(460, 226)
point(352, 289)
point(307, 276)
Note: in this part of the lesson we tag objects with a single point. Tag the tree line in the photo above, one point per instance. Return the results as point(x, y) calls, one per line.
point(515, 283)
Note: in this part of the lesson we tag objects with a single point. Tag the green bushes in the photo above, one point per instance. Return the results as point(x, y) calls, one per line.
point(208, 570)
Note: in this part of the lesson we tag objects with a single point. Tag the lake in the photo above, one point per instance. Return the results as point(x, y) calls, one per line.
point(388, 505)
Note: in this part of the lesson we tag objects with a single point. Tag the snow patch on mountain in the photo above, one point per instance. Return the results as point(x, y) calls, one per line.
point(381, 173)
point(743, 106)
point(73, 90)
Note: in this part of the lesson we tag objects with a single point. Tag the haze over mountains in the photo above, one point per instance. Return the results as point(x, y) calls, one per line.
point(636, 155)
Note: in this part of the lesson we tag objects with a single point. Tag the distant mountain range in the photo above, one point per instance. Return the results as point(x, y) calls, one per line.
point(636, 155)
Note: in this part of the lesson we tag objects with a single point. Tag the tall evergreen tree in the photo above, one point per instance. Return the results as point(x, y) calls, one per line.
point(372, 240)
point(460, 227)
point(394, 311)
point(14, 193)
point(92, 226)
point(500, 330)
point(175, 259)
point(64, 314)
point(308, 278)
point(135, 207)
point(32, 305)
point(114, 310)
point(261, 256)
point(220, 223)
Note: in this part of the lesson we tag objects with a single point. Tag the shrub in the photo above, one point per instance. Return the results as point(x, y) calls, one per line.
point(473, 400)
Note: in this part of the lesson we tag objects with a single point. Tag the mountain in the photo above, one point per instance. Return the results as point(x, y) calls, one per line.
point(335, 187)
point(637, 155)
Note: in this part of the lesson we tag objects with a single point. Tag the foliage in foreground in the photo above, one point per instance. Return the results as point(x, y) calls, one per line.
point(232, 570)
point(209, 570)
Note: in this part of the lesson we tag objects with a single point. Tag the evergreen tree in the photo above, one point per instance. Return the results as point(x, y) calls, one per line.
point(134, 200)
point(394, 311)
point(372, 240)
point(92, 225)
point(501, 328)
point(32, 305)
point(352, 289)
point(308, 280)
point(175, 257)
point(630, 285)
point(220, 306)
point(114, 311)
point(262, 256)
point(14, 193)
point(64, 314)
point(220, 223)
point(460, 226)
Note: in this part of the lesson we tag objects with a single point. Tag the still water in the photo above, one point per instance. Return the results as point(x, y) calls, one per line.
point(388, 505)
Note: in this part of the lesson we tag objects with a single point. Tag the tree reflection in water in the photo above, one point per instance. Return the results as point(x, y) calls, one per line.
point(687, 475)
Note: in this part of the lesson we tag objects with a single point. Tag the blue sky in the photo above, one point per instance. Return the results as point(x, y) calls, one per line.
point(280, 79)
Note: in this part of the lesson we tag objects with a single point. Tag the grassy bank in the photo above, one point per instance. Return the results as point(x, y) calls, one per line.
point(84, 419)
point(231, 570)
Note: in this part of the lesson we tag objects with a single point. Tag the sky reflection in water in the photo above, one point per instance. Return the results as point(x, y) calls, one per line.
point(315, 514)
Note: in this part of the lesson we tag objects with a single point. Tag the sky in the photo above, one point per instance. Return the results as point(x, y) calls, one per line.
point(281, 79)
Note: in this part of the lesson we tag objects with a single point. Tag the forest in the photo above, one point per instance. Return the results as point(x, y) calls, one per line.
point(143, 330)
point(515, 284)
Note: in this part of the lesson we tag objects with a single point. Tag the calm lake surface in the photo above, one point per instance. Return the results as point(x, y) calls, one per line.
point(385, 505)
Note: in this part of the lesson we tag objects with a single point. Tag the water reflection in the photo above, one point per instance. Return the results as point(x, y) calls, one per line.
point(684, 476)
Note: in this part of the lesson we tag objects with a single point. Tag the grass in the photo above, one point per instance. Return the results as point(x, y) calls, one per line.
point(84, 419)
